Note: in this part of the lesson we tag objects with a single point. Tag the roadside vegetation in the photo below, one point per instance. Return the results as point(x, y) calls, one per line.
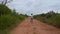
point(50, 18)
point(9, 19)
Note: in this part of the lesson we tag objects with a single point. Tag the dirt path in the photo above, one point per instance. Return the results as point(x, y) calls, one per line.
point(36, 27)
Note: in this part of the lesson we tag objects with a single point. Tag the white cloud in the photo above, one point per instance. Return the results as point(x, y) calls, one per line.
point(34, 6)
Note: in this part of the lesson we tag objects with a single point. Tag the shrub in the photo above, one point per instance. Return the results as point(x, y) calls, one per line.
point(57, 21)
point(7, 21)
point(53, 18)
point(4, 10)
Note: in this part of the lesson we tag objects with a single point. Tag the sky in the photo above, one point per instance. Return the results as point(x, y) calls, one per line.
point(34, 6)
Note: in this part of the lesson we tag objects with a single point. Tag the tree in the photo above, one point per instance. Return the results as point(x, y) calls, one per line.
point(4, 10)
point(6, 1)
point(50, 14)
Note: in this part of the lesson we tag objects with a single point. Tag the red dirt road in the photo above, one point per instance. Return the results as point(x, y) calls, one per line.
point(35, 27)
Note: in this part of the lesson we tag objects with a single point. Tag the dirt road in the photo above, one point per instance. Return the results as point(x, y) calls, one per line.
point(35, 27)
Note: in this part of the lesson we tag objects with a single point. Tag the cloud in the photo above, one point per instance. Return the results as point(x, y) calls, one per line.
point(34, 6)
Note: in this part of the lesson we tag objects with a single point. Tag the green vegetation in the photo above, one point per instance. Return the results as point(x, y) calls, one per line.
point(50, 18)
point(9, 19)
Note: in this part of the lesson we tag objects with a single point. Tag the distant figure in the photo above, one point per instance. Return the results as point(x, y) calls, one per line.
point(31, 18)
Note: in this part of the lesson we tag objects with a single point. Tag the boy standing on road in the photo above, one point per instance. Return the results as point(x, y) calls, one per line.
point(31, 18)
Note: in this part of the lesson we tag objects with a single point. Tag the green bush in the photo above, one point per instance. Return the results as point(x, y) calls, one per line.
point(4, 10)
point(7, 21)
point(49, 18)
point(57, 21)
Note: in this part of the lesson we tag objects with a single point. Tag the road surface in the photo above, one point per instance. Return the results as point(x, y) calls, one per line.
point(35, 27)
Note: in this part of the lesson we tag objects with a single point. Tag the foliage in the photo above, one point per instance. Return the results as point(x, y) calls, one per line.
point(6, 21)
point(57, 20)
point(9, 19)
point(4, 10)
point(50, 18)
